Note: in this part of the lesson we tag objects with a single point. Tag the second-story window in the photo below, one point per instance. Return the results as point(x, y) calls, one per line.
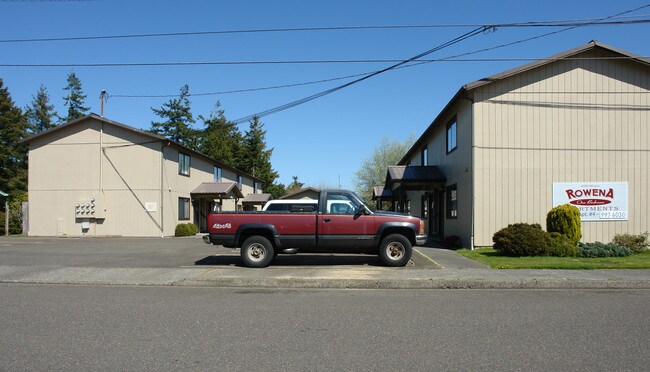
point(451, 136)
point(256, 187)
point(217, 174)
point(184, 164)
point(240, 181)
point(424, 156)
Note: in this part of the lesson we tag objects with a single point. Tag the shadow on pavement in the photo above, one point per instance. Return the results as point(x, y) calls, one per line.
point(314, 259)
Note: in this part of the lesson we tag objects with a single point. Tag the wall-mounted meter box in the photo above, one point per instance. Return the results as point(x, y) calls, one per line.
point(95, 207)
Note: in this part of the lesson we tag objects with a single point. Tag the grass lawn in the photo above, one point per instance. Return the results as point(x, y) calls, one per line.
point(495, 260)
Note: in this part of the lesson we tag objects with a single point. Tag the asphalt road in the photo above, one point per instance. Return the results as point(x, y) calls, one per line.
point(50, 327)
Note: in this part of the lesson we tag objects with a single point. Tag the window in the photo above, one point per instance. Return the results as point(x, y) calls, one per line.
point(424, 160)
point(256, 187)
point(183, 164)
point(451, 136)
point(217, 174)
point(340, 204)
point(240, 181)
point(452, 202)
point(183, 208)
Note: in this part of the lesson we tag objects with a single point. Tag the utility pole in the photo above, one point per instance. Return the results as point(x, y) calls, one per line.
point(102, 97)
point(6, 196)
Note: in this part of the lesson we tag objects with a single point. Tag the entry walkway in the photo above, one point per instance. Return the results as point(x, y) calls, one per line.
point(447, 258)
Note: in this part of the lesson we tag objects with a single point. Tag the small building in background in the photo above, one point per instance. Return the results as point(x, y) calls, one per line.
point(304, 193)
point(97, 177)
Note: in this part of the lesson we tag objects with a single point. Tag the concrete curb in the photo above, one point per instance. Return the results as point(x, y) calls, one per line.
point(334, 278)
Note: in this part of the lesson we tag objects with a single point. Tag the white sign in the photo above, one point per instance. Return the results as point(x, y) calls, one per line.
point(597, 201)
point(151, 206)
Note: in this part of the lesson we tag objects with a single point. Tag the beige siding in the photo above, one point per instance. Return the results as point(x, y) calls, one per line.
point(568, 121)
point(456, 166)
point(69, 166)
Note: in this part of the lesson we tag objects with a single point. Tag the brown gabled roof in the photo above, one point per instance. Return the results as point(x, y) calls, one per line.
point(156, 137)
point(306, 189)
point(256, 198)
point(592, 45)
point(222, 189)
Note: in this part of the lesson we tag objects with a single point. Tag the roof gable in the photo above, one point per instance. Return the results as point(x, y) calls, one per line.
point(153, 137)
point(463, 91)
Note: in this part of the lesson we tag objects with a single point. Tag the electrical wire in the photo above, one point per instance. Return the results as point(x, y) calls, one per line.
point(247, 90)
point(467, 35)
point(454, 41)
point(553, 23)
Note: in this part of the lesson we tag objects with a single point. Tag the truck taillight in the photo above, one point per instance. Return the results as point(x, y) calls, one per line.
point(421, 227)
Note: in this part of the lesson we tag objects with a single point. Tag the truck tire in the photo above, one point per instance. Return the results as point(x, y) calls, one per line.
point(257, 251)
point(395, 250)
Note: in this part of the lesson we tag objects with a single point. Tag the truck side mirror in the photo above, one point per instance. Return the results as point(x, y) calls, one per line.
point(361, 210)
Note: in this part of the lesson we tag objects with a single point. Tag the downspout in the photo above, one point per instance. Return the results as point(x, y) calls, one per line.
point(162, 178)
point(472, 175)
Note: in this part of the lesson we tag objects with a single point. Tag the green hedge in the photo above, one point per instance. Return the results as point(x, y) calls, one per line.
point(186, 229)
point(599, 249)
point(635, 243)
point(522, 239)
point(565, 219)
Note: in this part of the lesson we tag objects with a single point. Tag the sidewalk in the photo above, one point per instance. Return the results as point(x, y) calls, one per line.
point(361, 277)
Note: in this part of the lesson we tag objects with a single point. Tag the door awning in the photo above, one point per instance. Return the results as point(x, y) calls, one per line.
point(417, 177)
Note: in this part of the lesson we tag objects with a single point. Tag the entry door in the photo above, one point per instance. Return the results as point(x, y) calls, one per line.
point(339, 228)
point(436, 213)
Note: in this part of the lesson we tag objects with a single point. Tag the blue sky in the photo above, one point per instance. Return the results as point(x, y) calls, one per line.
point(321, 140)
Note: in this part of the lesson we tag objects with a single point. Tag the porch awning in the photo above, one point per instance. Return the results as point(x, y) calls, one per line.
point(256, 199)
point(221, 190)
point(381, 193)
point(417, 177)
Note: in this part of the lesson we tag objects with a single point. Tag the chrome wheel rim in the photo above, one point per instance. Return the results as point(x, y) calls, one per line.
point(395, 251)
point(256, 252)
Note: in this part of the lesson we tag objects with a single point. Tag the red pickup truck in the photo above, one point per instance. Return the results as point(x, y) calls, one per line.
point(341, 223)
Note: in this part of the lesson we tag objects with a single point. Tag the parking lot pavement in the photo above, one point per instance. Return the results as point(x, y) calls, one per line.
point(160, 253)
point(190, 262)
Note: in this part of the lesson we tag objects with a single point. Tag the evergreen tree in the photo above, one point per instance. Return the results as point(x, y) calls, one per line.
point(256, 159)
point(295, 185)
point(221, 139)
point(75, 99)
point(13, 157)
point(177, 125)
point(40, 114)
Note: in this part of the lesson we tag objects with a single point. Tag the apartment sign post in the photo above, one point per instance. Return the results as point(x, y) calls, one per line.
point(597, 201)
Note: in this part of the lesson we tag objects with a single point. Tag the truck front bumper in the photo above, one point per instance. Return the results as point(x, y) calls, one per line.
point(421, 239)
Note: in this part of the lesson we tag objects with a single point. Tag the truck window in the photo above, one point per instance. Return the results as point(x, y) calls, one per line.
point(339, 203)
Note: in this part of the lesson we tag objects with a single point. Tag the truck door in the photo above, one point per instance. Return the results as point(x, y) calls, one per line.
point(340, 227)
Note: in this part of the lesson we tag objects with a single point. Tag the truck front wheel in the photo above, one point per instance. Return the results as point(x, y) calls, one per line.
point(395, 250)
point(257, 251)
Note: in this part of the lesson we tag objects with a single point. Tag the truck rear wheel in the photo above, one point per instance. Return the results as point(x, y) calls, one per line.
point(395, 250)
point(257, 251)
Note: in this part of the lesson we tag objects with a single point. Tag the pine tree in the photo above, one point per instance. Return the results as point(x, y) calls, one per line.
point(13, 157)
point(75, 99)
point(40, 114)
point(221, 139)
point(178, 124)
point(256, 159)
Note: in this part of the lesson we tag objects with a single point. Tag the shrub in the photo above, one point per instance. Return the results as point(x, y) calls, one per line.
point(186, 229)
point(565, 219)
point(635, 243)
point(521, 239)
point(561, 246)
point(599, 249)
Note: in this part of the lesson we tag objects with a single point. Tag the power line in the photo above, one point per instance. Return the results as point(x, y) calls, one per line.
point(454, 41)
point(295, 62)
point(256, 89)
point(301, 101)
point(554, 23)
